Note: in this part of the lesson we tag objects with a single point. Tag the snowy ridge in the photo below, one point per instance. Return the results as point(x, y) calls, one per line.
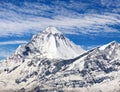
point(109, 44)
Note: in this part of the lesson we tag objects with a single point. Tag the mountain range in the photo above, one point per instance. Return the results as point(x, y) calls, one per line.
point(50, 62)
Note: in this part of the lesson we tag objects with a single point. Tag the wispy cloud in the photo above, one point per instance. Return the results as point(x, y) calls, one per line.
point(5, 52)
point(90, 47)
point(6, 48)
point(86, 24)
point(35, 17)
point(12, 42)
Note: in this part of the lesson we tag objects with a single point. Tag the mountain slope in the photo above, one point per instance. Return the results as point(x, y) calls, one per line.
point(92, 71)
point(35, 67)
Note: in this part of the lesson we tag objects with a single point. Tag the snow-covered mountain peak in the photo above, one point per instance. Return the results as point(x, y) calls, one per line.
point(50, 43)
point(51, 30)
point(110, 45)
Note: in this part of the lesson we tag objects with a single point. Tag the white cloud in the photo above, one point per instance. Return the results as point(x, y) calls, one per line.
point(12, 42)
point(88, 22)
point(27, 19)
point(91, 47)
point(5, 52)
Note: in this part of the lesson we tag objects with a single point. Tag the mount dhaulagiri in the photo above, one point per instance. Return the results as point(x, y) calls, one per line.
point(51, 62)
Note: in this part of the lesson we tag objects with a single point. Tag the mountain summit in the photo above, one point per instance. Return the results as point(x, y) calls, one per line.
point(52, 30)
point(50, 43)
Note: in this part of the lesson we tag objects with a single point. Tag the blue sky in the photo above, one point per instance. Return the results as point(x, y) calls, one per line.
point(88, 23)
